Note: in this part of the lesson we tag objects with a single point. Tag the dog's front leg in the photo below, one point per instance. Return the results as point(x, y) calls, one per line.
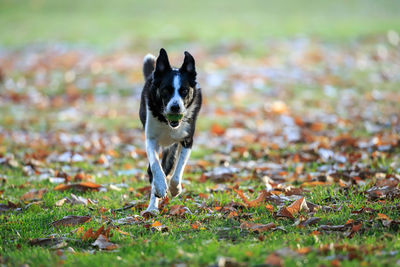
point(175, 185)
point(159, 184)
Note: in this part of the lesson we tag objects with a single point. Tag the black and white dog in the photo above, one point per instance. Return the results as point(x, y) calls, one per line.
point(170, 103)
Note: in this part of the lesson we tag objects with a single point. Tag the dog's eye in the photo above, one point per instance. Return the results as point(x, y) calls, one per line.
point(184, 91)
point(164, 92)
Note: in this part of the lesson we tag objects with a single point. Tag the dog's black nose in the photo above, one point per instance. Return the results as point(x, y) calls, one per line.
point(175, 108)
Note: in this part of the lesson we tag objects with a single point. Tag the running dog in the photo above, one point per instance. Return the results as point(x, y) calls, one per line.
point(170, 102)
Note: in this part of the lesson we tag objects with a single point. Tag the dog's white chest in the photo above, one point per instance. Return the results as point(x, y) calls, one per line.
point(164, 134)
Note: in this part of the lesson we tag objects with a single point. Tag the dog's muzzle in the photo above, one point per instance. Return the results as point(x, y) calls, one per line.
point(174, 119)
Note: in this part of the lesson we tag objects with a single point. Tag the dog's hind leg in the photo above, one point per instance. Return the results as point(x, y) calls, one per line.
point(168, 161)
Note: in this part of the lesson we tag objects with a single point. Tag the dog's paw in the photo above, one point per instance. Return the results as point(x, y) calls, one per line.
point(175, 187)
point(150, 212)
point(160, 186)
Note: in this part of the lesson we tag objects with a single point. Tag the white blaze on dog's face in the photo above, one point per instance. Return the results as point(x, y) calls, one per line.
point(175, 104)
point(175, 87)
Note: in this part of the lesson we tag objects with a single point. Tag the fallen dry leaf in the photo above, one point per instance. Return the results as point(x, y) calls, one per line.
point(75, 200)
point(217, 129)
point(253, 203)
point(179, 210)
point(285, 213)
point(297, 206)
point(257, 227)
point(7, 207)
point(48, 241)
point(34, 194)
point(274, 260)
point(71, 220)
point(103, 243)
point(83, 186)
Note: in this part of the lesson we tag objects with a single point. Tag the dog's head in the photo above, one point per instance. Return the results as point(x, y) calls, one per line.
point(175, 88)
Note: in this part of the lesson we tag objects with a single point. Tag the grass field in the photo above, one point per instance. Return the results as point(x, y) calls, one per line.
point(296, 155)
point(152, 23)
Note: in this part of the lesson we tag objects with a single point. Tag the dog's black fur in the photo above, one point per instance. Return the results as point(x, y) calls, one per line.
point(156, 94)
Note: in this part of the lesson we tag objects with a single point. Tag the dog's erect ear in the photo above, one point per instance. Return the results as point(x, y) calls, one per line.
point(188, 66)
point(162, 64)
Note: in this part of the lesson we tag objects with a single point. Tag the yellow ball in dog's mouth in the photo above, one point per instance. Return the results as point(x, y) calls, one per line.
point(174, 117)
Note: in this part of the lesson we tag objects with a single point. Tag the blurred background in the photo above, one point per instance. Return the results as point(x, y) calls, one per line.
point(145, 24)
point(69, 64)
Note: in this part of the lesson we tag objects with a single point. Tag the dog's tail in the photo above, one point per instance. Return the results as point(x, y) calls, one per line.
point(149, 63)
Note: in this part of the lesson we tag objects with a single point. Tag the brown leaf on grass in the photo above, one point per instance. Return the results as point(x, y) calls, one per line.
point(156, 226)
point(75, 200)
point(382, 216)
point(34, 194)
point(297, 206)
point(104, 244)
point(179, 210)
point(313, 184)
point(304, 250)
point(136, 219)
point(274, 260)
point(7, 207)
point(47, 241)
point(90, 235)
point(270, 208)
point(257, 227)
point(285, 213)
point(83, 186)
point(354, 229)
point(363, 210)
point(123, 232)
point(71, 220)
point(309, 221)
point(293, 209)
point(81, 176)
point(217, 129)
point(341, 227)
point(253, 203)
point(204, 196)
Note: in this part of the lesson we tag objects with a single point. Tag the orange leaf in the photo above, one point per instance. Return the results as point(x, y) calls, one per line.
point(156, 224)
point(274, 260)
point(297, 206)
point(284, 212)
point(217, 129)
point(232, 214)
point(88, 234)
point(98, 232)
point(270, 208)
point(382, 216)
point(202, 195)
point(257, 227)
point(304, 250)
point(83, 186)
point(315, 232)
point(312, 184)
point(253, 203)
